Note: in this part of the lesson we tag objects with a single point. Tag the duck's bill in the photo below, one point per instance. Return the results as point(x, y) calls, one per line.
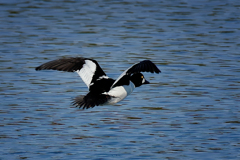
point(146, 82)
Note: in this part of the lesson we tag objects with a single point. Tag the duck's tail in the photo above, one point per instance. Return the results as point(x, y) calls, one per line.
point(90, 100)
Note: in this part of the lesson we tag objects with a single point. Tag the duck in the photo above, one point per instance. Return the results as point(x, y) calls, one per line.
point(102, 89)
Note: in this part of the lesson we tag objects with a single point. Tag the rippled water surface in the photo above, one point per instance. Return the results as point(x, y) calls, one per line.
point(189, 111)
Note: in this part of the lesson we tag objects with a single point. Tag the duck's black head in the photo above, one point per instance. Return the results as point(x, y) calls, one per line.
point(138, 79)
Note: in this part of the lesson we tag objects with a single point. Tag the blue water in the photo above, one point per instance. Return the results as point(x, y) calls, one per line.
point(189, 111)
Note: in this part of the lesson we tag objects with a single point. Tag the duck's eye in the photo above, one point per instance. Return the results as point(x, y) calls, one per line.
point(142, 77)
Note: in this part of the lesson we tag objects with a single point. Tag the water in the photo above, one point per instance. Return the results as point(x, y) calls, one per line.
point(189, 111)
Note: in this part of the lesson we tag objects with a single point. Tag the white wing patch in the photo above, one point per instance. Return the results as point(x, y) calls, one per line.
point(87, 72)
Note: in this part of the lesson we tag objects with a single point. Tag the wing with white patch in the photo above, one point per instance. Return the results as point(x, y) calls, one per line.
point(88, 69)
point(143, 66)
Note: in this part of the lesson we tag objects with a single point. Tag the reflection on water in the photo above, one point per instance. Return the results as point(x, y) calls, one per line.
point(189, 110)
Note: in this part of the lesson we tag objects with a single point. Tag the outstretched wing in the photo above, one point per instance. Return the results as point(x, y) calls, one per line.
point(143, 66)
point(88, 69)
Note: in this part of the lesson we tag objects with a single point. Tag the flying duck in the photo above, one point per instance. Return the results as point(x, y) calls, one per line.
point(102, 89)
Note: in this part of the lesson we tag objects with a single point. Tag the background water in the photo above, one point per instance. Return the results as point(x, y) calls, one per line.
point(189, 111)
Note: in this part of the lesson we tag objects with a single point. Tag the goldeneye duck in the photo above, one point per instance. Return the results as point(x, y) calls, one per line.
point(102, 89)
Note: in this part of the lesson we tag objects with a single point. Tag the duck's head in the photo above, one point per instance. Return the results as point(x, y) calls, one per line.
point(138, 79)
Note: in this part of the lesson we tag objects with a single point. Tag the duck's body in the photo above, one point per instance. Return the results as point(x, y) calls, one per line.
point(102, 89)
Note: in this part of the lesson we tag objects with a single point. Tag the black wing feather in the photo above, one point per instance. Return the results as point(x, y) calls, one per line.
point(70, 64)
point(143, 66)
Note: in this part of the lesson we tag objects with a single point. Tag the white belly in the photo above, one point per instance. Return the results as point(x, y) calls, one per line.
point(120, 92)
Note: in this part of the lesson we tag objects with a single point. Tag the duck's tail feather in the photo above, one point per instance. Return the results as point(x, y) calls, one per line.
point(90, 100)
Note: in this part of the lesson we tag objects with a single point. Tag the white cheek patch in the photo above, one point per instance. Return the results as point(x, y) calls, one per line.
point(87, 72)
point(143, 81)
